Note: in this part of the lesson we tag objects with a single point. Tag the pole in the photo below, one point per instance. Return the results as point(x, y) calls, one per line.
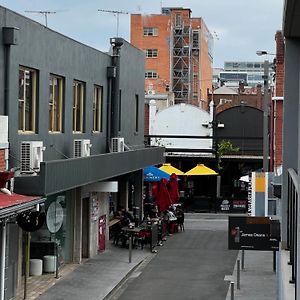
point(130, 248)
point(238, 277)
point(27, 255)
point(3, 242)
point(232, 290)
point(266, 118)
point(243, 259)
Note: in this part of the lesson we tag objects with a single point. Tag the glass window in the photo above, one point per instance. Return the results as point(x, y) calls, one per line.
point(150, 31)
point(136, 113)
point(97, 108)
point(56, 101)
point(151, 74)
point(151, 53)
point(27, 99)
point(78, 106)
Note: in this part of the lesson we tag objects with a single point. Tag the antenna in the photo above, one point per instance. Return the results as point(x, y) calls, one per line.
point(43, 12)
point(116, 13)
point(215, 35)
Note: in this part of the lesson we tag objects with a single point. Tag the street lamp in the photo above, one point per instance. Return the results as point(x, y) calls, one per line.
point(266, 111)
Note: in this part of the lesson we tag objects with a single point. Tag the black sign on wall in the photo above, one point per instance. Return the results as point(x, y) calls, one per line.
point(253, 233)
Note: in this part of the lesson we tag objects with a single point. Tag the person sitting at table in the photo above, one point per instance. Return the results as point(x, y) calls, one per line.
point(170, 219)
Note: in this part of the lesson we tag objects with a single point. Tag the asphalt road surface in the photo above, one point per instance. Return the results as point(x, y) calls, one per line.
point(190, 265)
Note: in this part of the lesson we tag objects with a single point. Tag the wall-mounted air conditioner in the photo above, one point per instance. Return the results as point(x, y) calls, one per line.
point(81, 148)
point(117, 144)
point(31, 156)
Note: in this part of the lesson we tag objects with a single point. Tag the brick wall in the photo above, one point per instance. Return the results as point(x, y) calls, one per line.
point(2, 159)
point(278, 106)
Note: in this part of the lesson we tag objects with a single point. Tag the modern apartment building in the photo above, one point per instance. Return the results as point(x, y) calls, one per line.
point(178, 51)
point(249, 72)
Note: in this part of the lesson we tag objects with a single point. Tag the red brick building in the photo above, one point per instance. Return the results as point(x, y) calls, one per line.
point(277, 106)
point(178, 52)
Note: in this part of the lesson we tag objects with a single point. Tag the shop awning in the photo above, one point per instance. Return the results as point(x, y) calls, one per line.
point(170, 169)
point(16, 203)
point(200, 169)
point(155, 174)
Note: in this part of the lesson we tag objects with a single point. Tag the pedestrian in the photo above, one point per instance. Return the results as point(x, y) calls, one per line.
point(180, 217)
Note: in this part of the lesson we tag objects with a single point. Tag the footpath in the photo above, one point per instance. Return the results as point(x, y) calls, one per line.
point(257, 279)
point(105, 274)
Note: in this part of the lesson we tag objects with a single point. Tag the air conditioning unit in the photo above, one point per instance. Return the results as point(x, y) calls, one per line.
point(82, 148)
point(117, 144)
point(31, 156)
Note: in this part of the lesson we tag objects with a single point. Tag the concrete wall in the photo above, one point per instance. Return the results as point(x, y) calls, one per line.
point(46, 51)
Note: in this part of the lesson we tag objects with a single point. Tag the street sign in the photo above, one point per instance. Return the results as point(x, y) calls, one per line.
point(253, 233)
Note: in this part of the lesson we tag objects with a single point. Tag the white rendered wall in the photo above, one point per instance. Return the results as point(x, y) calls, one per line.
point(180, 119)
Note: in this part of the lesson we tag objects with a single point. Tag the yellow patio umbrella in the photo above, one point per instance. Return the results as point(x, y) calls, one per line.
point(200, 169)
point(168, 168)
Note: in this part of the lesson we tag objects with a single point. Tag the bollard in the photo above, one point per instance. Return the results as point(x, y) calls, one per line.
point(238, 277)
point(243, 259)
point(232, 290)
point(130, 248)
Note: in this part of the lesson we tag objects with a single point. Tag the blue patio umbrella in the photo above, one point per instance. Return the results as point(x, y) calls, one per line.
point(155, 174)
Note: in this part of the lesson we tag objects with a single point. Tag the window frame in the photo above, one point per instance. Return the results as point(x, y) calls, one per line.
point(154, 74)
point(76, 84)
point(98, 109)
point(60, 105)
point(34, 77)
point(150, 31)
point(151, 53)
point(136, 107)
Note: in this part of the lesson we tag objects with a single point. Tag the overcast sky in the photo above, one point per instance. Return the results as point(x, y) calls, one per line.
point(242, 27)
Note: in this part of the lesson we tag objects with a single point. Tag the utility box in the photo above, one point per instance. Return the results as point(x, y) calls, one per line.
point(10, 35)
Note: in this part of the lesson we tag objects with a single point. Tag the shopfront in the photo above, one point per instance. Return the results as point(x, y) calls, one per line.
point(56, 235)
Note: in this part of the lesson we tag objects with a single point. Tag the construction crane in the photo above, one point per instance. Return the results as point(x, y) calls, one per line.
point(116, 13)
point(43, 12)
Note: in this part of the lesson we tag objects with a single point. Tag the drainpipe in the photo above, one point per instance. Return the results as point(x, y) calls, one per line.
point(115, 86)
point(10, 37)
point(3, 246)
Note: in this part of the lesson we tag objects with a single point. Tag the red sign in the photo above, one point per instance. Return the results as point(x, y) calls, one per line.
point(101, 233)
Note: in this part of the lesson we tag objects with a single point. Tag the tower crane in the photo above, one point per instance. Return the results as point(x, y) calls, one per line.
point(117, 13)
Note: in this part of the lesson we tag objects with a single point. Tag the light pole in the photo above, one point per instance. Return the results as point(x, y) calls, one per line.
point(266, 112)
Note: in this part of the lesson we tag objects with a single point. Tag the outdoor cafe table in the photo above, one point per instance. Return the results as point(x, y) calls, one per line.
point(131, 231)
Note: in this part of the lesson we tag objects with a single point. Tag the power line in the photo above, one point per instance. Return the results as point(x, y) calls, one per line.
point(116, 13)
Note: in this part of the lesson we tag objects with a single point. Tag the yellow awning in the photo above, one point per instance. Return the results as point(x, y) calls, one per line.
point(201, 169)
point(170, 169)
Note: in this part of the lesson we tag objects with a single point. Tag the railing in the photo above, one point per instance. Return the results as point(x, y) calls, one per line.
point(293, 191)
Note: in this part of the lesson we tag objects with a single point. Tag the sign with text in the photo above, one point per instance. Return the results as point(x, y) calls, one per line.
point(253, 233)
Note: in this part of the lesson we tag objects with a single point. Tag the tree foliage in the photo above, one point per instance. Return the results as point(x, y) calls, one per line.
point(224, 147)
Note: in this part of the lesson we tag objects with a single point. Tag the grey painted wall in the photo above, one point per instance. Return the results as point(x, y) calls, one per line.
point(48, 52)
point(242, 122)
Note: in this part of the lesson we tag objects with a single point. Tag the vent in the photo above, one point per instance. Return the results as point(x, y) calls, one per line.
point(31, 156)
point(117, 144)
point(81, 148)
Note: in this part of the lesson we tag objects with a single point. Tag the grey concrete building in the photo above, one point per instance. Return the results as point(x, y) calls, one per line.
point(76, 135)
point(289, 283)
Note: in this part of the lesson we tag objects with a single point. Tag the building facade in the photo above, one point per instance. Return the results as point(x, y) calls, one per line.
point(76, 133)
point(178, 51)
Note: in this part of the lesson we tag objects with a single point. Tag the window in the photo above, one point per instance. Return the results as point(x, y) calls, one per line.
point(177, 20)
point(151, 52)
point(151, 74)
point(97, 108)
point(136, 113)
point(195, 39)
point(27, 99)
point(150, 31)
point(78, 105)
point(56, 102)
point(120, 109)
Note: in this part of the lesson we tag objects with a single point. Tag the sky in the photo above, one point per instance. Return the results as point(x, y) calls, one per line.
point(239, 27)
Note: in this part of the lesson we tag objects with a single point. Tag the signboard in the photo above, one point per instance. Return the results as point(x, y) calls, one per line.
point(234, 205)
point(253, 233)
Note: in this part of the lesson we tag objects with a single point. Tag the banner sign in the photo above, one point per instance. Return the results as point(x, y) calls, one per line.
point(253, 233)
